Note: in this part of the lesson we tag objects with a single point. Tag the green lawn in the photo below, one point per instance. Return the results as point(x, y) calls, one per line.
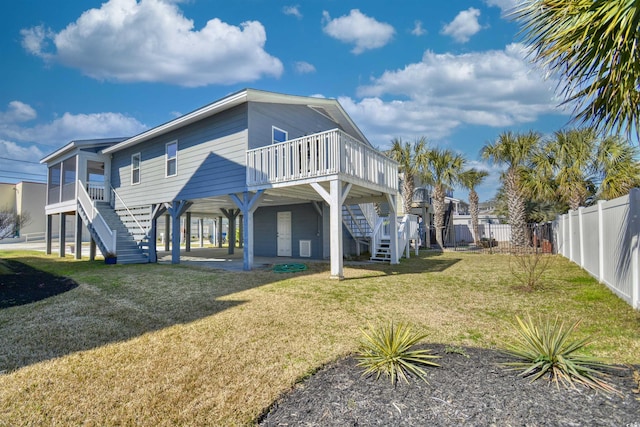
point(174, 345)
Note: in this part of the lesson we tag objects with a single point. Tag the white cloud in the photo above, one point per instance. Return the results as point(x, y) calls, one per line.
point(293, 11)
point(17, 112)
point(463, 26)
point(443, 92)
point(303, 67)
point(152, 41)
point(417, 29)
point(505, 5)
point(356, 28)
point(65, 128)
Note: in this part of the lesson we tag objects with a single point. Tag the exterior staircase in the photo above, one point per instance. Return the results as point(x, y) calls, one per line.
point(383, 252)
point(356, 222)
point(129, 251)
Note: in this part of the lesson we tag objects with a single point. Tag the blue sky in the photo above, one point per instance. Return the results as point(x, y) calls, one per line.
point(453, 72)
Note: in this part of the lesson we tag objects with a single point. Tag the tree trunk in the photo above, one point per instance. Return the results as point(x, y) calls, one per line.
point(516, 207)
point(473, 208)
point(438, 214)
point(407, 192)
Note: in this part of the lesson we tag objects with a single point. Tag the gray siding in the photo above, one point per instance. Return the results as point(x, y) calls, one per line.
point(211, 161)
point(306, 224)
point(297, 120)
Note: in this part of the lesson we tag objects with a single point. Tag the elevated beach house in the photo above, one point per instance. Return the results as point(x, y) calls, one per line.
point(295, 169)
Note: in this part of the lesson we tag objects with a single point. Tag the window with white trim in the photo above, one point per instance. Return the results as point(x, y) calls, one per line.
point(171, 157)
point(278, 135)
point(135, 168)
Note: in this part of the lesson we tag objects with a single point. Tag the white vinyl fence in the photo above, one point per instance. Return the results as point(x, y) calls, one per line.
point(604, 240)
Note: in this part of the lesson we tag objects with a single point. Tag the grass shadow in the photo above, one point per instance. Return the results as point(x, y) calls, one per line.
point(22, 284)
point(426, 262)
point(97, 304)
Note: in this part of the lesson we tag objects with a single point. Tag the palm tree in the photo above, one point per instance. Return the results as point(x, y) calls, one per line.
point(571, 157)
point(441, 169)
point(593, 46)
point(515, 151)
point(470, 179)
point(619, 170)
point(409, 157)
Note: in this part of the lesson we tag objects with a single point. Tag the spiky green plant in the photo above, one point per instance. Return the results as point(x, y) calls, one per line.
point(387, 350)
point(547, 348)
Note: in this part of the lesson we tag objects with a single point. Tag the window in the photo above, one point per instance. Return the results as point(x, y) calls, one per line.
point(135, 168)
point(54, 183)
point(172, 158)
point(278, 135)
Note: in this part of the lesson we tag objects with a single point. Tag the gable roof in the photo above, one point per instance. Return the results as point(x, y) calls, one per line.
point(326, 106)
point(80, 144)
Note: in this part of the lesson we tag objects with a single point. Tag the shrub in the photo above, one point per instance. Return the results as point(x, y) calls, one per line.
point(485, 242)
point(548, 349)
point(527, 265)
point(388, 350)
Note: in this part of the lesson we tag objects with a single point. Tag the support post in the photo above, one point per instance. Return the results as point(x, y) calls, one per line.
point(187, 232)
point(219, 232)
point(201, 231)
point(78, 236)
point(335, 198)
point(393, 228)
point(47, 234)
point(167, 231)
point(176, 209)
point(63, 231)
point(241, 231)
point(156, 212)
point(92, 249)
point(248, 205)
point(231, 215)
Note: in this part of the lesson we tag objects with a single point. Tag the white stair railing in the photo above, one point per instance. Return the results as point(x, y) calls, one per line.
point(113, 190)
point(106, 235)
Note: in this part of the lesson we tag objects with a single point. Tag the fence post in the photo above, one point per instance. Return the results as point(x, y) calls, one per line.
point(634, 212)
point(570, 236)
point(581, 234)
point(600, 241)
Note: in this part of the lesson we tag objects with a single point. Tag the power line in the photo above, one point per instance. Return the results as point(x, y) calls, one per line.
point(17, 160)
point(44, 175)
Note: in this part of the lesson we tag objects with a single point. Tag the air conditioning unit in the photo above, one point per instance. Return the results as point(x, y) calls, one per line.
point(305, 248)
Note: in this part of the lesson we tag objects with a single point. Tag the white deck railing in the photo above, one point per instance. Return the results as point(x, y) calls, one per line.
point(107, 235)
point(319, 155)
point(96, 191)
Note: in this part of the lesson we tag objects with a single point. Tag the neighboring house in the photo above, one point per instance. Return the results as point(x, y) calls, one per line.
point(25, 198)
point(295, 169)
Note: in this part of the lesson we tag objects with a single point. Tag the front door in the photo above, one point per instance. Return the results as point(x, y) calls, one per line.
point(284, 233)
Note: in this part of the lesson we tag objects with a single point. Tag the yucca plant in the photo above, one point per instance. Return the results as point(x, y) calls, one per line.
point(548, 349)
point(388, 350)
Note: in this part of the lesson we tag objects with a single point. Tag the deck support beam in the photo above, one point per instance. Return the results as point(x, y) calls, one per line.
point(92, 249)
point(167, 231)
point(176, 209)
point(47, 234)
point(231, 215)
point(78, 241)
point(187, 232)
point(393, 227)
point(156, 212)
point(248, 203)
point(335, 197)
point(63, 232)
point(219, 232)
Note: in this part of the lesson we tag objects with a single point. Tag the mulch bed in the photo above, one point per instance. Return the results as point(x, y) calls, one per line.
point(26, 284)
point(469, 389)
